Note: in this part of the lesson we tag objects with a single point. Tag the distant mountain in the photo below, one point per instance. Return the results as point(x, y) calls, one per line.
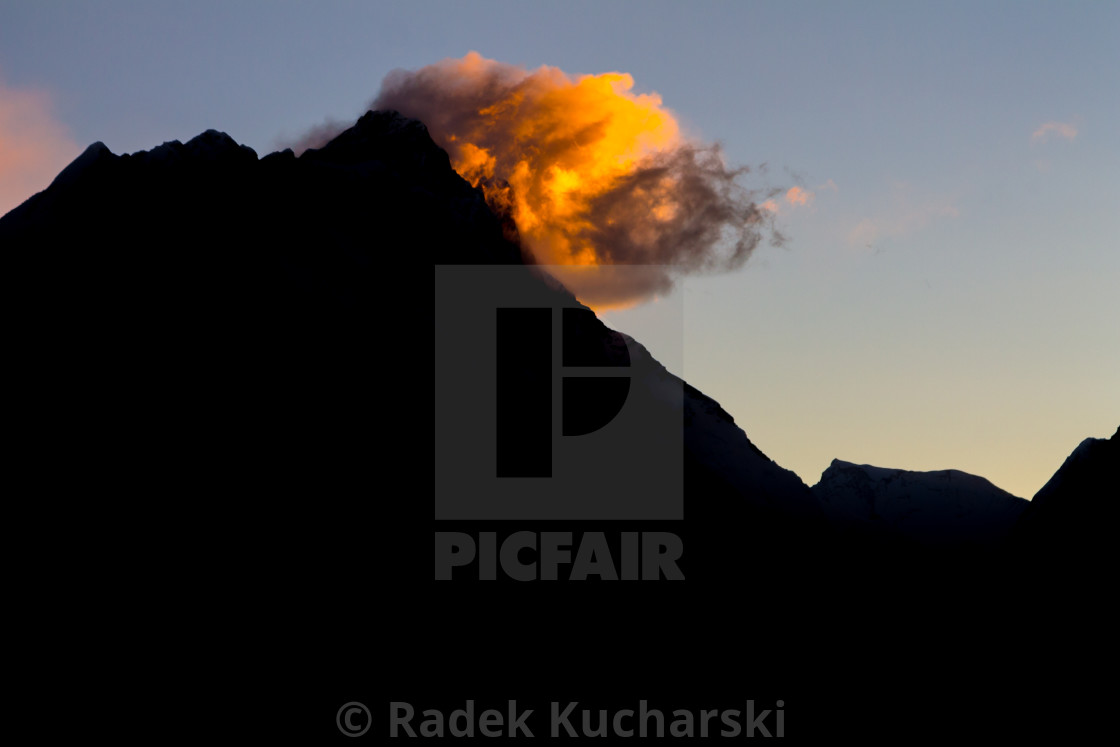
point(1072, 518)
point(943, 508)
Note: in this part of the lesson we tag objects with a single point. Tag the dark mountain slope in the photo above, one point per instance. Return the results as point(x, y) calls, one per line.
point(223, 391)
point(1067, 530)
point(225, 308)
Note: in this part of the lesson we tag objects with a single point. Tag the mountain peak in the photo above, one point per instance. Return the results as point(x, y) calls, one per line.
point(1089, 451)
point(389, 138)
point(90, 156)
point(206, 149)
point(937, 507)
point(1067, 522)
point(213, 144)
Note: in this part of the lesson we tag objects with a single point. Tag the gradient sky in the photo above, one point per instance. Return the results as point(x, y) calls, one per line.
point(948, 296)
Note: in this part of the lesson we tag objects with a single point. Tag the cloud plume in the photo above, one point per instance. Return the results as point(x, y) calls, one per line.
point(591, 172)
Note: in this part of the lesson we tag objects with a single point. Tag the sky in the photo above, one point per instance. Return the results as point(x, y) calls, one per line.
point(947, 177)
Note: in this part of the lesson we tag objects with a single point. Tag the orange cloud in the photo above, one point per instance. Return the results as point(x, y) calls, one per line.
point(798, 196)
point(592, 173)
point(795, 196)
point(34, 146)
point(1060, 129)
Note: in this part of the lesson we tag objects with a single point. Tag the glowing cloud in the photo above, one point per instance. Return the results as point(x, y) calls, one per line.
point(34, 147)
point(798, 196)
point(591, 172)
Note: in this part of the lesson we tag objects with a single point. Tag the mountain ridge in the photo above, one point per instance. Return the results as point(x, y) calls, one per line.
point(387, 149)
point(304, 243)
point(938, 506)
point(223, 380)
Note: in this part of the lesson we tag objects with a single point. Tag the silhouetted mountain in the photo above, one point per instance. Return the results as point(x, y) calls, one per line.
point(945, 507)
point(223, 377)
point(1070, 520)
point(228, 333)
point(265, 292)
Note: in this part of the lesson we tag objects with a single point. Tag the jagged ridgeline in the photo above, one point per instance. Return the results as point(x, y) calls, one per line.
point(223, 376)
point(195, 305)
point(209, 307)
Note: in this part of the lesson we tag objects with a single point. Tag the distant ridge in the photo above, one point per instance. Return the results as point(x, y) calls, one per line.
point(943, 507)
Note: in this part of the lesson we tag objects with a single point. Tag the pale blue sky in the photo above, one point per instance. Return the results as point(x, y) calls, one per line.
point(948, 298)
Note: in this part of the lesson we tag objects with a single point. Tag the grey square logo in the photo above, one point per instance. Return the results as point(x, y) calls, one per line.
point(541, 411)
